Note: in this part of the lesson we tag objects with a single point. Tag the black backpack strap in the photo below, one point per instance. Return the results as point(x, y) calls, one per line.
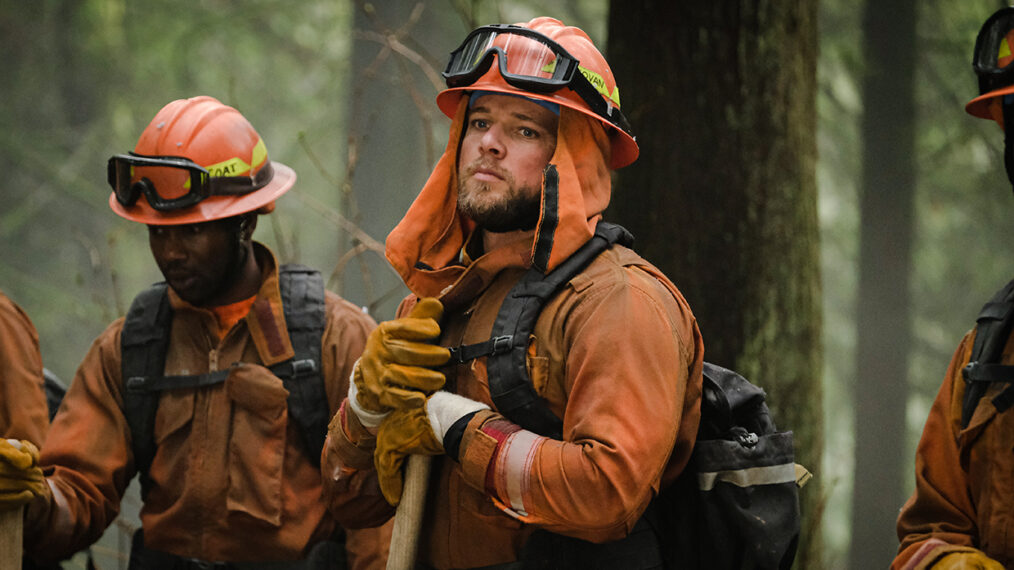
point(305, 318)
point(993, 326)
point(506, 350)
point(144, 342)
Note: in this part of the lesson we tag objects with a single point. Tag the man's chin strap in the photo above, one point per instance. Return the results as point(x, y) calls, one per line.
point(1008, 136)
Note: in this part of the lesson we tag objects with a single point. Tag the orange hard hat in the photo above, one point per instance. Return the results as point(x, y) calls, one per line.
point(198, 160)
point(592, 65)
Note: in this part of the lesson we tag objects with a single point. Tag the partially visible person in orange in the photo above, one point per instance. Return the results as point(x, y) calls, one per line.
point(217, 386)
point(960, 514)
point(23, 410)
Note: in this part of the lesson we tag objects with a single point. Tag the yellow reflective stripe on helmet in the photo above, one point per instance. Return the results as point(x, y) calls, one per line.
point(1004, 49)
point(232, 167)
point(236, 166)
point(260, 153)
point(600, 85)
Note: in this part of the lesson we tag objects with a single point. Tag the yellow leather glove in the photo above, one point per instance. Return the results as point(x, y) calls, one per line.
point(416, 431)
point(394, 370)
point(21, 478)
point(965, 560)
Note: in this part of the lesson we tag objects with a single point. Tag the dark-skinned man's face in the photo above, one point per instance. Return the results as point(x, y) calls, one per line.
point(199, 261)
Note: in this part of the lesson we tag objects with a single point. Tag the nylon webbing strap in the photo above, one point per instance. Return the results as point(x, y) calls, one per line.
point(993, 326)
point(144, 342)
point(466, 352)
point(162, 383)
point(303, 305)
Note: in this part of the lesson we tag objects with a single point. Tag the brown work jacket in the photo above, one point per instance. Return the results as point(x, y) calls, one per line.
point(231, 477)
point(964, 495)
point(617, 356)
point(23, 410)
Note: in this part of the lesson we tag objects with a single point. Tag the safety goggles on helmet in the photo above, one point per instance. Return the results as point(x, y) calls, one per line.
point(993, 56)
point(528, 61)
point(174, 182)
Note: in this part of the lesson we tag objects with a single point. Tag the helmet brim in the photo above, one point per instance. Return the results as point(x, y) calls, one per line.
point(624, 148)
point(979, 107)
point(211, 208)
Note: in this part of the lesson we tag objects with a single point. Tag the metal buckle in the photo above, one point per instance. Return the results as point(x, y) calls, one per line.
point(969, 370)
point(305, 366)
point(502, 344)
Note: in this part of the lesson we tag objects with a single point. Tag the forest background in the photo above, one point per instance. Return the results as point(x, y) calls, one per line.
point(343, 92)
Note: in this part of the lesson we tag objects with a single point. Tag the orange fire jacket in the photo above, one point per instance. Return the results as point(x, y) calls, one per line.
point(617, 355)
point(231, 479)
point(964, 477)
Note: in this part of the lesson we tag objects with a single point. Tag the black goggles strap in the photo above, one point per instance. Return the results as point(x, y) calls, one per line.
point(598, 104)
point(239, 185)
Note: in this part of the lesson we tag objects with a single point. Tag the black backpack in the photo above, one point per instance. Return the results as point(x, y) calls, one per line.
point(993, 327)
point(145, 340)
point(736, 504)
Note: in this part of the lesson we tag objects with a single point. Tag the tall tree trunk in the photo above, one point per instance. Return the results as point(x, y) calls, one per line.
point(722, 96)
point(883, 321)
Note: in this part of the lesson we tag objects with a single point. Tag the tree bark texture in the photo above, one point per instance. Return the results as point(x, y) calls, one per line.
point(883, 318)
point(722, 96)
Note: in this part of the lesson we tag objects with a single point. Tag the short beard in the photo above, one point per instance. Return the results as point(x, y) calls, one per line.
point(516, 212)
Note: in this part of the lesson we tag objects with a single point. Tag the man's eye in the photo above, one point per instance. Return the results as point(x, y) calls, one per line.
point(479, 123)
point(529, 133)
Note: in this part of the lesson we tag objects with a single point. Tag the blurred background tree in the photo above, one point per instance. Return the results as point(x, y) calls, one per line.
point(342, 90)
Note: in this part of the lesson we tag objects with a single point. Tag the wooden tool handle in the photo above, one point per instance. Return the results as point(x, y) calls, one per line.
point(408, 518)
point(10, 539)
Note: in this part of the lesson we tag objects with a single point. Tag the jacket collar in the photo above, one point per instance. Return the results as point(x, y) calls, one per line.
point(266, 319)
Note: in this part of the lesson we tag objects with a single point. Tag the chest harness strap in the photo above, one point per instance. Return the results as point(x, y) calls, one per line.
point(993, 327)
point(506, 350)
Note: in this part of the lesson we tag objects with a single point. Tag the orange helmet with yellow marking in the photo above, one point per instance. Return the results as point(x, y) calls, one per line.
point(542, 59)
point(198, 160)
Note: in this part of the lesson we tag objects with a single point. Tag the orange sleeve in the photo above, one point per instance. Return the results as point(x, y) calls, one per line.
point(86, 458)
point(351, 489)
point(633, 366)
point(23, 410)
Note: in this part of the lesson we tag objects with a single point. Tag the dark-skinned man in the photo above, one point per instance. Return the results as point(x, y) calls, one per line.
point(217, 386)
point(615, 356)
